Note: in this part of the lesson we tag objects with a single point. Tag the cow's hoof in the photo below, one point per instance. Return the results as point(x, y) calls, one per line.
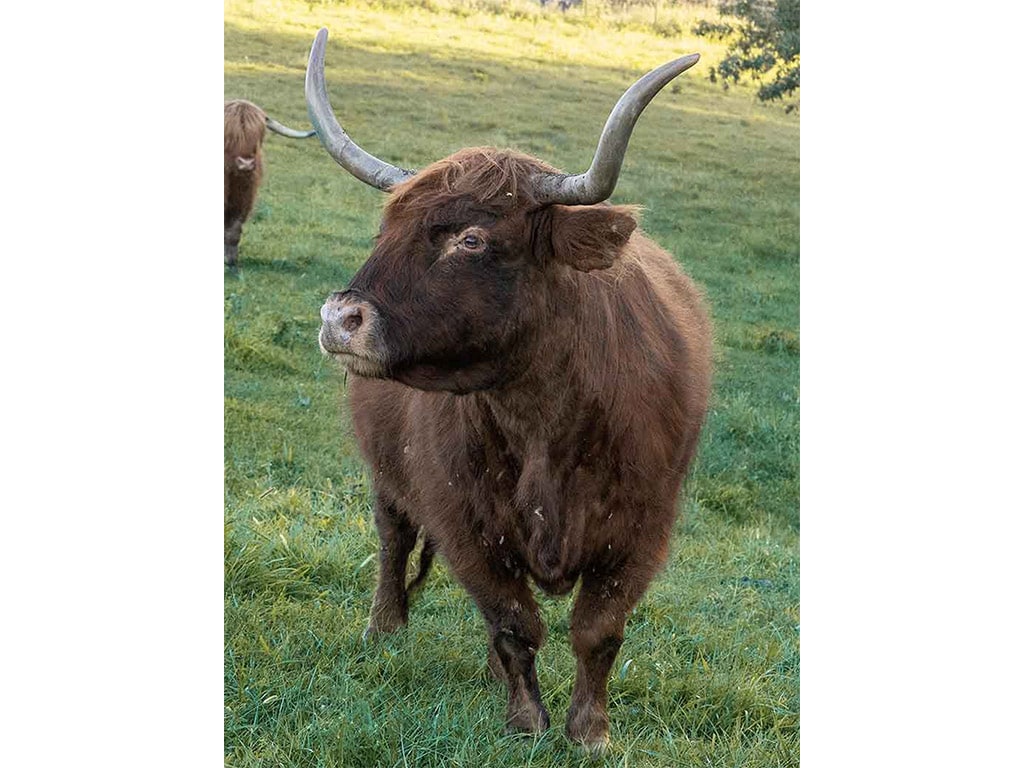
point(598, 747)
point(382, 626)
point(588, 727)
point(527, 718)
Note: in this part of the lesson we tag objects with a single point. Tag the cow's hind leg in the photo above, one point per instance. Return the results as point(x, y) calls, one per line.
point(426, 559)
point(596, 629)
point(397, 538)
point(494, 664)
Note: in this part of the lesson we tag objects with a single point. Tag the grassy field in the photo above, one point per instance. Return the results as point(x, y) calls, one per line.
point(709, 671)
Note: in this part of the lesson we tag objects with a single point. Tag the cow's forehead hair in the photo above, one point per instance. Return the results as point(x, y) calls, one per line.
point(481, 178)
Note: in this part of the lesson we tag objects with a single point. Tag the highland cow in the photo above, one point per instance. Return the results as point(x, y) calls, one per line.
point(530, 377)
point(245, 126)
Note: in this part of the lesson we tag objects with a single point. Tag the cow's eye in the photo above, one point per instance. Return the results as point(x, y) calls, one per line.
point(472, 242)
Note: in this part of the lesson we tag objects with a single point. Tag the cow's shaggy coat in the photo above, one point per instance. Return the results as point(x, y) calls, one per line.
point(530, 383)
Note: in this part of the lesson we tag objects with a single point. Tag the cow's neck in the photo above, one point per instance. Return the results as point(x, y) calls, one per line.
point(565, 375)
point(552, 420)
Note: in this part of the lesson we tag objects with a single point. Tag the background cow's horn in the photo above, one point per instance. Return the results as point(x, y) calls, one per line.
point(598, 182)
point(284, 130)
point(345, 152)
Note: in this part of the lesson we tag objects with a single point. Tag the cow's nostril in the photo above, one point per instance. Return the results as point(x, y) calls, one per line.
point(353, 318)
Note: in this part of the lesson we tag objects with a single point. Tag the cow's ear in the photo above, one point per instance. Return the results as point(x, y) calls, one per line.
point(590, 237)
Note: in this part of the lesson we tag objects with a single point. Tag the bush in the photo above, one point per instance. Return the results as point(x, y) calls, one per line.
point(765, 43)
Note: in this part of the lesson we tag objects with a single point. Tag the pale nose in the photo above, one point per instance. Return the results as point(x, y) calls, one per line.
point(342, 314)
point(345, 318)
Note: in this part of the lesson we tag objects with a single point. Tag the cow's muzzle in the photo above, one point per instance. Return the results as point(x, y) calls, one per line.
point(350, 331)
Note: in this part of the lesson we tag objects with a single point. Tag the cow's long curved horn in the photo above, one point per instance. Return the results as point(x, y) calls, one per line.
point(345, 152)
point(598, 182)
point(284, 130)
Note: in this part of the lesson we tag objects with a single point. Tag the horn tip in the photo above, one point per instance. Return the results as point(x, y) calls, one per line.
point(683, 63)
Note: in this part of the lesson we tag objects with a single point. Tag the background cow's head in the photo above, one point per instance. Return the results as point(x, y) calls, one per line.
point(461, 278)
point(245, 127)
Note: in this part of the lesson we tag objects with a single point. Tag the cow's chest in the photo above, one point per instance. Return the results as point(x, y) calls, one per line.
point(533, 515)
point(534, 505)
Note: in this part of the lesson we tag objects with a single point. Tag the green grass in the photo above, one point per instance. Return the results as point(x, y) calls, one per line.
point(709, 672)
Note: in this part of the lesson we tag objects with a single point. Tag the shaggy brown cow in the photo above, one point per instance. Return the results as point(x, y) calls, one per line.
point(531, 376)
point(245, 126)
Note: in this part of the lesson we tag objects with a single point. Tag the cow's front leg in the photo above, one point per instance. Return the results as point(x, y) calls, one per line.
point(390, 600)
point(515, 630)
point(232, 235)
point(516, 649)
point(596, 629)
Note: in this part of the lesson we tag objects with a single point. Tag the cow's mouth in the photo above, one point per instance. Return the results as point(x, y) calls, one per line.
point(361, 366)
point(357, 364)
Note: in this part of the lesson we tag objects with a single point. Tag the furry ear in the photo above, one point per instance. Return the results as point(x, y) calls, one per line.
point(590, 237)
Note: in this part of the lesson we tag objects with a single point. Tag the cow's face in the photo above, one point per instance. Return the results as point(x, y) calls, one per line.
point(458, 286)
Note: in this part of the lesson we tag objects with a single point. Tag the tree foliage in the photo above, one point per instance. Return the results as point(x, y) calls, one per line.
point(765, 37)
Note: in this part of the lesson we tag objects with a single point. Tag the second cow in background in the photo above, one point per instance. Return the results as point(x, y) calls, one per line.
point(245, 127)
